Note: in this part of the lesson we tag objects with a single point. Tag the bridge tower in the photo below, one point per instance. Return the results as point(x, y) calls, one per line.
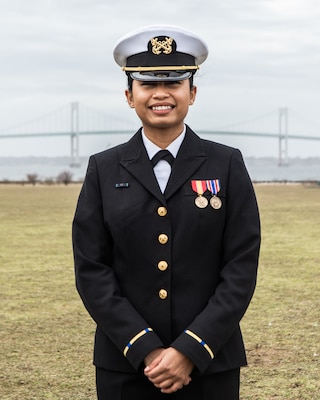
point(74, 135)
point(283, 137)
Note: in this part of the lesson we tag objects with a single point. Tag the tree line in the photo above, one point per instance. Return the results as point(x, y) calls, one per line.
point(64, 177)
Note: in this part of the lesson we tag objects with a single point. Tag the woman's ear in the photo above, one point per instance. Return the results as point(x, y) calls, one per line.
point(128, 94)
point(193, 94)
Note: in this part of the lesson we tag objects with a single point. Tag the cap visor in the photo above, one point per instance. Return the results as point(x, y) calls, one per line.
point(148, 76)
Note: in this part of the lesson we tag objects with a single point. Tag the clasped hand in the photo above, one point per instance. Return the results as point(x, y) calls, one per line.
point(168, 369)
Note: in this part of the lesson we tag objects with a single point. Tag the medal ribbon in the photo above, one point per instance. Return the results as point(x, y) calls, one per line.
point(213, 185)
point(199, 187)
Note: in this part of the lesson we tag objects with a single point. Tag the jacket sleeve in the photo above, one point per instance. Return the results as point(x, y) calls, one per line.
point(96, 281)
point(213, 327)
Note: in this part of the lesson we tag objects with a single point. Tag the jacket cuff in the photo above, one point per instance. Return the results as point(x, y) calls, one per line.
point(140, 346)
point(195, 348)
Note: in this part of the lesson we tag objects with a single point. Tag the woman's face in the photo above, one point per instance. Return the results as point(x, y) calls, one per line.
point(161, 104)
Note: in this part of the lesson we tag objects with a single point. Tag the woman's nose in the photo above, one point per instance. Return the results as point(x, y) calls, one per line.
point(160, 90)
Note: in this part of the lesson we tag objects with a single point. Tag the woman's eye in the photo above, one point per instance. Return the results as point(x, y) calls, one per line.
point(153, 84)
point(148, 83)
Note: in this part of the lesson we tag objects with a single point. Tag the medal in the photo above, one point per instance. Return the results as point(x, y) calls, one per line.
point(215, 202)
point(213, 186)
point(201, 201)
point(200, 187)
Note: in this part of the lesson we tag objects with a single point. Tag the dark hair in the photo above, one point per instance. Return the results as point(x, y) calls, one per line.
point(130, 80)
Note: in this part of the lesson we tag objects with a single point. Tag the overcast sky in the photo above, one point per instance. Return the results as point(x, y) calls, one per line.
point(264, 55)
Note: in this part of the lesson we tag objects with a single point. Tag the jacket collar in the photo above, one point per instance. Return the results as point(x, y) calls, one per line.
point(190, 157)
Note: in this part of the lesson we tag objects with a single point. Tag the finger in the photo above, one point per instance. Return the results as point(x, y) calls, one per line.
point(187, 381)
point(162, 381)
point(172, 388)
point(158, 381)
point(156, 371)
point(153, 364)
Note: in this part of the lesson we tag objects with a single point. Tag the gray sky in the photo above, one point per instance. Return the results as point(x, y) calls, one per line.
point(264, 54)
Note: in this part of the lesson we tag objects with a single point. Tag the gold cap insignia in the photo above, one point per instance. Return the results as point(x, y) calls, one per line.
point(161, 46)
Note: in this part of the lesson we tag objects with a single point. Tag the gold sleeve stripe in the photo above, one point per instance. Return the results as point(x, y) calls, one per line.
point(199, 340)
point(135, 338)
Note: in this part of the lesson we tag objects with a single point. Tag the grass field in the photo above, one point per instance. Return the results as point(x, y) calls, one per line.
point(46, 335)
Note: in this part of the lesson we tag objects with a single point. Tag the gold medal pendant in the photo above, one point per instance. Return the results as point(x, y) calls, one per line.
point(199, 187)
point(215, 202)
point(201, 201)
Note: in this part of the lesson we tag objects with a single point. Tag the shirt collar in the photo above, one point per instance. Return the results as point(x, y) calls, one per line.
point(152, 149)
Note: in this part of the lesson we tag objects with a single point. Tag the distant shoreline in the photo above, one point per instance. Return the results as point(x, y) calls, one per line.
point(47, 169)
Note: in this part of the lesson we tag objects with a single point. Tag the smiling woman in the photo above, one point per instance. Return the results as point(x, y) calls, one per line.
point(166, 238)
point(161, 107)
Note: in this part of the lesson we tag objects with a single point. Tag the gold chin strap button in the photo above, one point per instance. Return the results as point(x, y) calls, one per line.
point(163, 238)
point(162, 211)
point(163, 294)
point(162, 265)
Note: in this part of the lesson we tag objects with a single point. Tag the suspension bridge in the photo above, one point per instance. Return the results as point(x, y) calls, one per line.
point(75, 121)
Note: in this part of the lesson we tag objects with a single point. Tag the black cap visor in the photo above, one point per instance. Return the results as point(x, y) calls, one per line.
point(154, 76)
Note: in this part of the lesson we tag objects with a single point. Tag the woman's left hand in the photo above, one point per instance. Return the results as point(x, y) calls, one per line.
point(170, 371)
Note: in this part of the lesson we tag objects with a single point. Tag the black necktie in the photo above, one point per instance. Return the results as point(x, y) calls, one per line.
point(162, 155)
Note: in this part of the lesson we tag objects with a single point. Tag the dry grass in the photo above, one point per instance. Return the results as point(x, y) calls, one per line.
point(46, 335)
point(281, 326)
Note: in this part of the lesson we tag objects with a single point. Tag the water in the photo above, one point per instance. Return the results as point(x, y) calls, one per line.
point(260, 169)
point(298, 169)
point(47, 168)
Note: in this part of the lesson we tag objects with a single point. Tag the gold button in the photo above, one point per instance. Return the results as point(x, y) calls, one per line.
point(163, 238)
point(162, 265)
point(163, 294)
point(162, 211)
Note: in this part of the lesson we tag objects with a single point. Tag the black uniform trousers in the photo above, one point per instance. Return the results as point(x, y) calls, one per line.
point(123, 386)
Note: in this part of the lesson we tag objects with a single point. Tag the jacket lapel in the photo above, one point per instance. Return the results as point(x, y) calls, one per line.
point(189, 158)
point(134, 159)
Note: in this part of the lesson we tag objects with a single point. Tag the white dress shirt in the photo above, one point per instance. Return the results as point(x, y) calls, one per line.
point(162, 170)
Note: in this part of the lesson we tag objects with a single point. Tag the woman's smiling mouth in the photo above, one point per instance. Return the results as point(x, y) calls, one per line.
point(162, 108)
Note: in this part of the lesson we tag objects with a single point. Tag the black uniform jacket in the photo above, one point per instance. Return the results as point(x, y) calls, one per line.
point(154, 270)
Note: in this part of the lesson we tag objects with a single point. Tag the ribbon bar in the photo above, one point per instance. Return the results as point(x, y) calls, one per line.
point(213, 185)
point(199, 186)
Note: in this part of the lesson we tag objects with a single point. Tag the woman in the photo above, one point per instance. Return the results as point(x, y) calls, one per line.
point(166, 243)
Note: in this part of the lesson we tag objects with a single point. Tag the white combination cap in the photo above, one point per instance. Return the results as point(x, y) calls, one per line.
point(160, 52)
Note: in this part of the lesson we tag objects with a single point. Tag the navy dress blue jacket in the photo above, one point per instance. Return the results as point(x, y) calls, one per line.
point(154, 270)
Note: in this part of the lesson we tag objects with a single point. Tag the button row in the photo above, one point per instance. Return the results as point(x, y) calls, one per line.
point(163, 239)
